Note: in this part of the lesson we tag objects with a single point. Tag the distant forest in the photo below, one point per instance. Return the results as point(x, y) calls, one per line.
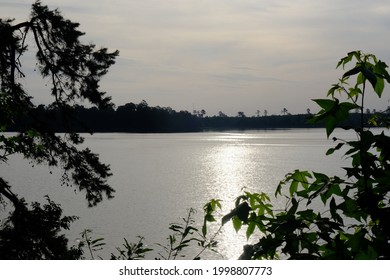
point(142, 118)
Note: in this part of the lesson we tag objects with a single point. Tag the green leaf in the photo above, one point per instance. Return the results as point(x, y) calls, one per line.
point(332, 150)
point(209, 218)
point(348, 58)
point(204, 228)
point(380, 70)
point(335, 87)
point(326, 104)
point(278, 190)
point(298, 177)
point(237, 223)
point(215, 203)
point(352, 72)
point(331, 124)
point(354, 92)
point(264, 197)
point(307, 215)
point(321, 177)
point(293, 187)
point(212, 205)
point(371, 77)
point(250, 229)
point(327, 114)
point(360, 79)
point(379, 86)
point(333, 211)
point(337, 114)
point(356, 160)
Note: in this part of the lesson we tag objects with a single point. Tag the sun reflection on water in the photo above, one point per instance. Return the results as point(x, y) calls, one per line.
point(256, 162)
point(159, 176)
point(231, 167)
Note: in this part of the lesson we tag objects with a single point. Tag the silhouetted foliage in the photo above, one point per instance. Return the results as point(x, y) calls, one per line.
point(74, 71)
point(142, 118)
point(329, 217)
point(36, 233)
point(354, 224)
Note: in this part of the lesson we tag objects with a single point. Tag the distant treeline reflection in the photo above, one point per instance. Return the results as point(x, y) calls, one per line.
point(142, 118)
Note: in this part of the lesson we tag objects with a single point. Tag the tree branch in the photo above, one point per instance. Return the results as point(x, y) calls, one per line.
point(5, 190)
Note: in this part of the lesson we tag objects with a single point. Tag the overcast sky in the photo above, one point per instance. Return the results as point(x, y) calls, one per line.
point(225, 55)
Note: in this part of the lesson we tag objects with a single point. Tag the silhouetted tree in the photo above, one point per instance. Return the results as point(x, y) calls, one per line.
point(74, 70)
point(221, 114)
point(200, 113)
point(241, 114)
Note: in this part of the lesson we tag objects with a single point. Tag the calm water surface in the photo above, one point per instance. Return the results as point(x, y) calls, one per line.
point(158, 177)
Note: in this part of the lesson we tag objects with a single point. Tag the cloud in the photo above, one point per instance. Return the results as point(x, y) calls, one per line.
point(185, 51)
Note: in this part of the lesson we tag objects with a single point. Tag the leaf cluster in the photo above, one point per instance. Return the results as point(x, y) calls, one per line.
point(132, 251)
point(186, 234)
point(74, 68)
point(36, 233)
point(74, 71)
point(328, 217)
point(367, 69)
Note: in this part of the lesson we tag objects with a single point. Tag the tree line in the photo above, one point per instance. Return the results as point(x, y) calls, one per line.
point(142, 118)
point(351, 224)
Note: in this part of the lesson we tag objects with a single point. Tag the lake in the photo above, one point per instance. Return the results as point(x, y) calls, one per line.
point(158, 177)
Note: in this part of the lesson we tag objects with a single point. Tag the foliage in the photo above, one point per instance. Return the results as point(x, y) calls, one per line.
point(328, 217)
point(93, 245)
point(184, 234)
point(325, 217)
point(73, 70)
point(140, 118)
point(35, 233)
point(181, 237)
point(132, 251)
point(143, 118)
point(187, 234)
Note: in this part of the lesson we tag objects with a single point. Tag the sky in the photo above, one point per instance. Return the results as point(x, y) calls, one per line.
point(224, 55)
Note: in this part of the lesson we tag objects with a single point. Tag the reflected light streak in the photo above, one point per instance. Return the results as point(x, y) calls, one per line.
point(231, 169)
